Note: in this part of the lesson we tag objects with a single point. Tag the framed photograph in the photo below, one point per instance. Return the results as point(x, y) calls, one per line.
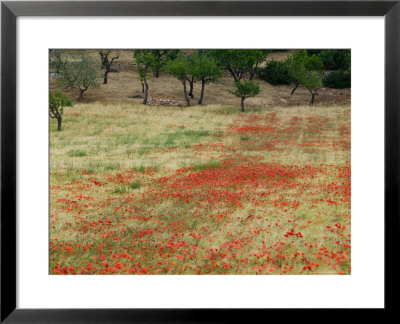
point(198, 159)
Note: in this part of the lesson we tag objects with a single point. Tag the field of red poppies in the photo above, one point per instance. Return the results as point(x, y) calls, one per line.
point(200, 190)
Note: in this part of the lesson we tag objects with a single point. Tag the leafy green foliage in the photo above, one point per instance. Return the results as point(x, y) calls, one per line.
point(57, 60)
point(306, 70)
point(57, 102)
point(181, 67)
point(313, 63)
point(339, 59)
point(81, 73)
point(296, 66)
point(161, 57)
point(239, 62)
point(312, 80)
point(146, 62)
point(275, 73)
point(245, 89)
point(337, 80)
point(205, 67)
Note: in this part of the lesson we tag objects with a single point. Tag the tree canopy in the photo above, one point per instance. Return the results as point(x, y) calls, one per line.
point(57, 102)
point(245, 89)
point(239, 62)
point(81, 72)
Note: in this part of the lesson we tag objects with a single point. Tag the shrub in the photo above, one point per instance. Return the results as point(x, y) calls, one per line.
point(337, 80)
point(314, 63)
point(335, 59)
point(275, 73)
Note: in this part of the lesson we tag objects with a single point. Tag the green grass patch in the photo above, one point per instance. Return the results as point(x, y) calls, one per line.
point(77, 153)
point(135, 184)
point(142, 168)
point(206, 166)
point(120, 190)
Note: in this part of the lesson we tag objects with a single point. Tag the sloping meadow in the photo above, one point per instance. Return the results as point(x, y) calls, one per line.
point(200, 190)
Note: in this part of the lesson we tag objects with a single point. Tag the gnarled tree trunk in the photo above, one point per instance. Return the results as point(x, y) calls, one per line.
point(312, 97)
point(242, 103)
point(59, 121)
point(294, 89)
point(203, 85)
point(157, 71)
point(146, 90)
point(81, 91)
point(191, 82)
point(185, 92)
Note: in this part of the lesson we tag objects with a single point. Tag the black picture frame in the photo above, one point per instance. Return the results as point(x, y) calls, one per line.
point(9, 13)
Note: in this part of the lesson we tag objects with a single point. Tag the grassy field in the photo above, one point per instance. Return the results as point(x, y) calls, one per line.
point(200, 190)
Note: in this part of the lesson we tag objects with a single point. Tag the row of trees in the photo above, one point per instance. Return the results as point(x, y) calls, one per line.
point(206, 66)
point(203, 66)
point(305, 68)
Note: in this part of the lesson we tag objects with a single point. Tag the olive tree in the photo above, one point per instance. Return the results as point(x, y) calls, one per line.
point(146, 62)
point(87, 75)
point(81, 73)
point(245, 90)
point(63, 63)
point(296, 68)
point(57, 102)
point(182, 69)
point(240, 62)
point(58, 60)
point(312, 80)
point(206, 70)
point(161, 57)
point(306, 70)
point(106, 62)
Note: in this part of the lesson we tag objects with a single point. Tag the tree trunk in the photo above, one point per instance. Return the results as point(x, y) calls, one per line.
point(105, 77)
point(185, 92)
point(203, 85)
point(103, 61)
point(81, 91)
point(294, 89)
point(146, 90)
point(312, 98)
point(252, 73)
point(59, 120)
point(191, 81)
point(242, 103)
point(142, 86)
point(157, 71)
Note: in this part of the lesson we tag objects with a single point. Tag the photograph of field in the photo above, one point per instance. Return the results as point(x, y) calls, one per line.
point(175, 162)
